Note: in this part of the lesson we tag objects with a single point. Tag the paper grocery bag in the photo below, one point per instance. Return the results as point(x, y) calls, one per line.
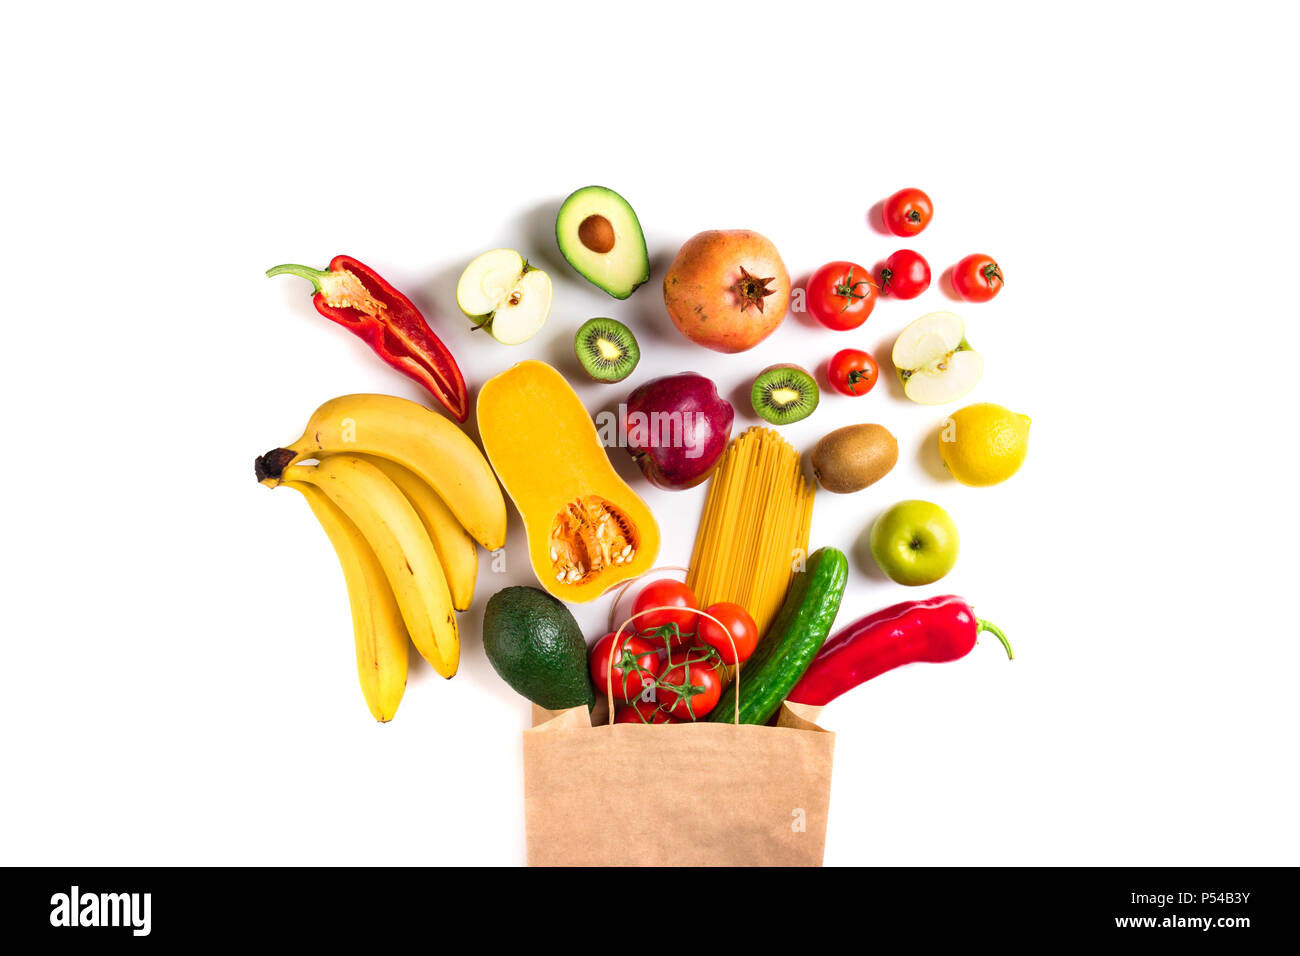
point(699, 794)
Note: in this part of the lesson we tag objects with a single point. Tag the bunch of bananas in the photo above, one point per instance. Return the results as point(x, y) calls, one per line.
point(403, 495)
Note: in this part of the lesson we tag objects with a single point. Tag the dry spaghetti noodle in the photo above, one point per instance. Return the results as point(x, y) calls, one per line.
point(755, 526)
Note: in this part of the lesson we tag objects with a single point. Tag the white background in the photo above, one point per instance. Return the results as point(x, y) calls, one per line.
point(178, 679)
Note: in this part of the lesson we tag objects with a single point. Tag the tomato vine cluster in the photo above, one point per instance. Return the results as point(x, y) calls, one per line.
point(672, 666)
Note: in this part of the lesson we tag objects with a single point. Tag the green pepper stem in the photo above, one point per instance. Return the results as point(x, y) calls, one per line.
point(313, 276)
point(992, 629)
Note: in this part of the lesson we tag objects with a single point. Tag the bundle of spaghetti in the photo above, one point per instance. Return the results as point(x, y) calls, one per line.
point(754, 530)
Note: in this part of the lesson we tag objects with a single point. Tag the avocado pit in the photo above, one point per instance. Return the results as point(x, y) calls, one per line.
point(597, 234)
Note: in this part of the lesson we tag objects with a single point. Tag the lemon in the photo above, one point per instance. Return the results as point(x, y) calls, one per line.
point(984, 444)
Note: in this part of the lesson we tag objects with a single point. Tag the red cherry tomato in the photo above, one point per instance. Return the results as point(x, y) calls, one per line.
point(636, 662)
point(841, 295)
point(691, 686)
point(977, 278)
point(672, 594)
point(853, 372)
point(905, 275)
point(744, 632)
point(907, 212)
point(643, 712)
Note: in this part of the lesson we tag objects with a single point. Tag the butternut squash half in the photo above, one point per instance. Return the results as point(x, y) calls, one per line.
point(587, 529)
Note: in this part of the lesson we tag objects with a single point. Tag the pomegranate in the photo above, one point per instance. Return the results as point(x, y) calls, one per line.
point(727, 289)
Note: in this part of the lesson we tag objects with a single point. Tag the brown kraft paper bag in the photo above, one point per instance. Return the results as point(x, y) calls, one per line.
point(695, 794)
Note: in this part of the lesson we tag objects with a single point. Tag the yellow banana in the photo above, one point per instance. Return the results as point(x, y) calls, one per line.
point(403, 548)
point(413, 436)
point(376, 620)
point(456, 549)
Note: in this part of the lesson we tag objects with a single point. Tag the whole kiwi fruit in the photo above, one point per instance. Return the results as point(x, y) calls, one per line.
point(853, 457)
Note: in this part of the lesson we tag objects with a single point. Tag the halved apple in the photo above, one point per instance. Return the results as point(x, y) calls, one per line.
point(502, 293)
point(934, 361)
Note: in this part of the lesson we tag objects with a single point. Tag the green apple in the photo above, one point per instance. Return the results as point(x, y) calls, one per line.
point(914, 542)
point(502, 293)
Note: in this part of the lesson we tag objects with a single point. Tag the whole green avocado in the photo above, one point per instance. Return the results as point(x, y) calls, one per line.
point(537, 648)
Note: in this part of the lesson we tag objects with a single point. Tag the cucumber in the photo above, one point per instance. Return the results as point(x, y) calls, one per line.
point(791, 642)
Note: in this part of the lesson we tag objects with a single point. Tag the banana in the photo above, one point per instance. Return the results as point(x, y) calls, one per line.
point(455, 547)
point(403, 548)
point(376, 620)
point(413, 436)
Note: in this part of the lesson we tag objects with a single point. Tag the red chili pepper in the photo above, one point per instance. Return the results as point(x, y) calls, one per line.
point(935, 630)
point(352, 295)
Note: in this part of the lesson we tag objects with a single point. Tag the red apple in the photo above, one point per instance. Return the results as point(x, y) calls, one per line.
point(677, 428)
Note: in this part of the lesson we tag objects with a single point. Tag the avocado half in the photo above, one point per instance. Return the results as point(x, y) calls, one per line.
point(600, 235)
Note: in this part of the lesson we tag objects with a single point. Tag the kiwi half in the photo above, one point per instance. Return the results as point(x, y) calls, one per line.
point(606, 349)
point(783, 394)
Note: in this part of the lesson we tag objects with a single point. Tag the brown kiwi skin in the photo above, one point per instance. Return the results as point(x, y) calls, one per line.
point(854, 457)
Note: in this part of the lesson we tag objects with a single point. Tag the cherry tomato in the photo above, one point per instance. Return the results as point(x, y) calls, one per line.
point(905, 275)
point(643, 712)
point(691, 686)
point(841, 295)
point(853, 372)
point(744, 632)
point(907, 212)
point(977, 278)
point(636, 662)
point(672, 594)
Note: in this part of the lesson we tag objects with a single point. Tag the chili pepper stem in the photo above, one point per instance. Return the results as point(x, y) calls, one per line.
point(993, 629)
point(313, 276)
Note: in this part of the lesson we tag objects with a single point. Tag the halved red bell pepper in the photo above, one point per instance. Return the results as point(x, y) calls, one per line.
point(355, 297)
